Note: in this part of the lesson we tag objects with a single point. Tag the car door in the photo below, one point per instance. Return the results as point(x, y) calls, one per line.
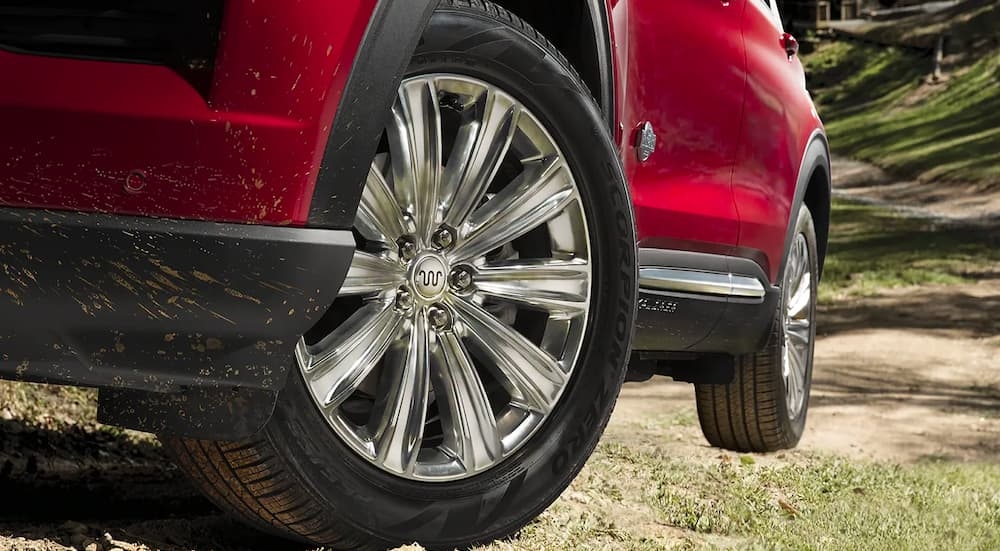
point(778, 118)
point(682, 66)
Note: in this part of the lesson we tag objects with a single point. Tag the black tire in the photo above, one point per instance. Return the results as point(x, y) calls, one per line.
point(298, 479)
point(751, 414)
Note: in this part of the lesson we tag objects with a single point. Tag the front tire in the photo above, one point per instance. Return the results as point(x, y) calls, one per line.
point(764, 408)
point(357, 458)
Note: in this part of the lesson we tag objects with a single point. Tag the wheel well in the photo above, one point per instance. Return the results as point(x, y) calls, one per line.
point(570, 26)
point(817, 198)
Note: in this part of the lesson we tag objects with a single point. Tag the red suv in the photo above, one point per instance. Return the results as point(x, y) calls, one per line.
point(369, 267)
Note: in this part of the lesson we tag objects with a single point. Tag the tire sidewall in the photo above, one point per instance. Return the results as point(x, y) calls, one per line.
point(500, 500)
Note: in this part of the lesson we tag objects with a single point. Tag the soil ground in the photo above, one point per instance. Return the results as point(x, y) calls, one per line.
point(908, 375)
point(905, 376)
point(957, 202)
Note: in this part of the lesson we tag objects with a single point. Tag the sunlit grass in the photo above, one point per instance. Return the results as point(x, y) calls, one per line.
point(877, 107)
point(646, 498)
point(872, 248)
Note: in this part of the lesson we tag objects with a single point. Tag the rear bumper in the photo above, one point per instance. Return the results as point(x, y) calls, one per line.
point(160, 306)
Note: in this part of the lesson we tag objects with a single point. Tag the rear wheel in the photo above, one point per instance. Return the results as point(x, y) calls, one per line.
point(764, 408)
point(474, 355)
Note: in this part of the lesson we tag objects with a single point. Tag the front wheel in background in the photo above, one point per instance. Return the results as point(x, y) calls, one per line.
point(469, 366)
point(764, 408)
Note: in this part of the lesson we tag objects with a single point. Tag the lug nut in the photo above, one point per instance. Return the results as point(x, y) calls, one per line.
point(404, 300)
point(407, 248)
point(460, 279)
point(439, 318)
point(444, 238)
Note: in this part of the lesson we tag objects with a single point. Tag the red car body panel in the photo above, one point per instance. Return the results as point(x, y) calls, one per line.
point(683, 192)
point(721, 180)
point(77, 130)
point(779, 121)
point(723, 177)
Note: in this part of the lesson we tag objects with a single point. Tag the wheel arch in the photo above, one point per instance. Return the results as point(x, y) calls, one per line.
point(818, 199)
point(813, 189)
point(385, 50)
point(388, 44)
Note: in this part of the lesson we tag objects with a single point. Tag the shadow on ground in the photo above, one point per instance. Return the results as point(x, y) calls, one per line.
point(856, 385)
point(70, 486)
point(969, 311)
point(910, 374)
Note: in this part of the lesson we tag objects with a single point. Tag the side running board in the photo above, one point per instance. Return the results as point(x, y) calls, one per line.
point(699, 302)
point(700, 282)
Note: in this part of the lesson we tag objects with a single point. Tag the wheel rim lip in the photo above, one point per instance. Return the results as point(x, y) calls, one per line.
point(521, 432)
point(797, 352)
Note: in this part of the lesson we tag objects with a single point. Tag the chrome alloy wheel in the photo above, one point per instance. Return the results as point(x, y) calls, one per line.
point(463, 313)
point(797, 325)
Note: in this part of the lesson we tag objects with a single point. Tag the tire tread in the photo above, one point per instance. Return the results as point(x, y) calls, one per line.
point(270, 501)
point(749, 414)
point(744, 415)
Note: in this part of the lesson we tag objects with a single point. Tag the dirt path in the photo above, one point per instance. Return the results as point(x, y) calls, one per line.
point(908, 375)
point(965, 203)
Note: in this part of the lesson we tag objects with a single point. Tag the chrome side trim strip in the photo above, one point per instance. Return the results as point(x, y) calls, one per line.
point(698, 282)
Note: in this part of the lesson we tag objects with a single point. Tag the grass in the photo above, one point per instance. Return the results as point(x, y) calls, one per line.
point(645, 499)
point(33, 403)
point(70, 412)
point(834, 504)
point(872, 248)
point(879, 107)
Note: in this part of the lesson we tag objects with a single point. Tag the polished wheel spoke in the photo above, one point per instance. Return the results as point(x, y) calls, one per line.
point(794, 267)
point(799, 302)
point(480, 147)
point(530, 374)
point(798, 333)
point(469, 425)
point(797, 324)
point(793, 382)
point(415, 149)
point(787, 372)
point(337, 365)
point(427, 370)
point(371, 273)
point(555, 286)
point(401, 427)
point(540, 194)
point(379, 216)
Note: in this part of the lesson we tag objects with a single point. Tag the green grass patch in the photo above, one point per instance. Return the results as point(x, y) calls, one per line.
point(67, 410)
point(664, 423)
point(796, 501)
point(826, 503)
point(877, 108)
point(872, 248)
point(33, 402)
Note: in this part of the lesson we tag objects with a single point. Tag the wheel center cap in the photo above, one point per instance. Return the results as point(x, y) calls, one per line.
point(428, 276)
